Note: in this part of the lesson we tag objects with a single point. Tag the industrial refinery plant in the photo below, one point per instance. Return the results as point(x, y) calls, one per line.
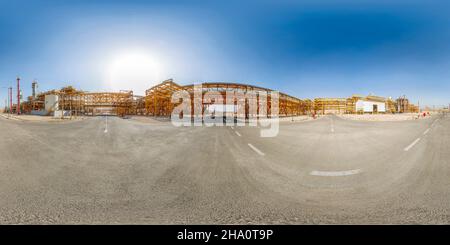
point(224, 120)
point(157, 102)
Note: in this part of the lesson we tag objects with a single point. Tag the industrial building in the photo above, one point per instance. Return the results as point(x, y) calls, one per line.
point(358, 104)
point(367, 106)
point(69, 101)
point(158, 98)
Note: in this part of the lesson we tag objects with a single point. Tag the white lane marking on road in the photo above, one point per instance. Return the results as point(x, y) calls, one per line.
point(106, 125)
point(256, 150)
point(412, 144)
point(335, 173)
point(232, 127)
point(426, 131)
point(238, 134)
point(434, 122)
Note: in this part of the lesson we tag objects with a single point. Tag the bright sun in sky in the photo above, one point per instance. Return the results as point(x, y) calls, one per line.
point(134, 70)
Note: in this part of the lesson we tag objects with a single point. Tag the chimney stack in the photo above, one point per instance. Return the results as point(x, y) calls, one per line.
point(18, 95)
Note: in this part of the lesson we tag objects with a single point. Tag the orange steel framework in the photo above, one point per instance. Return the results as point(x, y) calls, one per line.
point(348, 105)
point(116, 103)
point(77, 102)
point(158, 98)
point(330, 105)
point(158, 101)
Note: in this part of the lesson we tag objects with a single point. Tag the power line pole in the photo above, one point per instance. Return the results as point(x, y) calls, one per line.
point(10, 100)
point(8, 106)
point(418, 105)
point(18, 95)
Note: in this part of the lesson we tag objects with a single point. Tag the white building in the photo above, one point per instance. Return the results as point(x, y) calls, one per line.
point(370, 106)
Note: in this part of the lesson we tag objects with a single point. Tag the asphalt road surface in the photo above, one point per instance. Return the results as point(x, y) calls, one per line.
point(124, 171)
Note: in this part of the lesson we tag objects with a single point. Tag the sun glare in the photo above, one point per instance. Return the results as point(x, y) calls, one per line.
point(134, 70)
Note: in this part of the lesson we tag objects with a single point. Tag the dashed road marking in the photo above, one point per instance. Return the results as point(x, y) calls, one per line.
point(332, 125)
point(232, 127)
point(434, 122)
point(426, 131)
point(412, 144)
point(238, 134)
point(335, 173)
point(256, 149)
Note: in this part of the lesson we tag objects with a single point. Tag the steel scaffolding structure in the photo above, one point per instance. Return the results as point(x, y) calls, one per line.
point(158, 98)
point(120, 104)
point(76, 102)
point(404, 106)
point(348, 105)
point(158, 101)
point(330, 105)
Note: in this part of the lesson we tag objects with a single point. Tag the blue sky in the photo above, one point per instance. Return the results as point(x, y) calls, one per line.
point(307, 49)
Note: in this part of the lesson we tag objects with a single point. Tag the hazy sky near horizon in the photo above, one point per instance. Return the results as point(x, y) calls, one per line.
point(306, 49)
